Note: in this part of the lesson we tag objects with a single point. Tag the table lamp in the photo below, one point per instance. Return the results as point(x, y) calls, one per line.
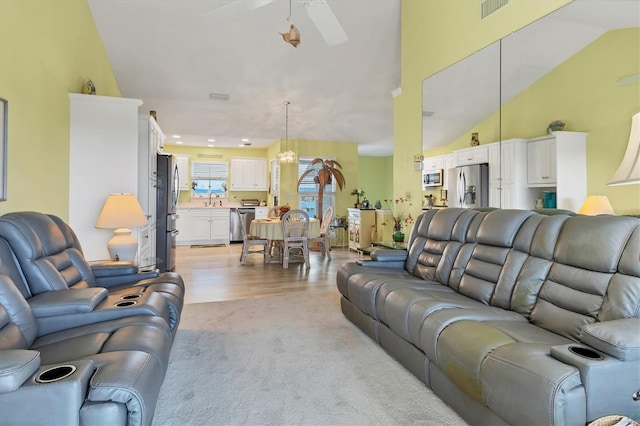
point(121, 212)
point(595, 205)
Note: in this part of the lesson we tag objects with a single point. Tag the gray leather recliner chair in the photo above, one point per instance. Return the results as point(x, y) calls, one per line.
point(50, 256)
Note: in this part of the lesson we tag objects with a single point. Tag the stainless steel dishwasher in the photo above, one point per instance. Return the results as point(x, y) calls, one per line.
point(246, 216)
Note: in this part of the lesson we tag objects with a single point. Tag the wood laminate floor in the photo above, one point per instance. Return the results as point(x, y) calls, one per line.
point(215, 273)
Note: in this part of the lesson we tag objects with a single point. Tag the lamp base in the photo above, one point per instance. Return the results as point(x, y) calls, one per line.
point(123, 245)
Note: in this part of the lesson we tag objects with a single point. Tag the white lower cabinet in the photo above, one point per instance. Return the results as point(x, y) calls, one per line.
point(209, 226)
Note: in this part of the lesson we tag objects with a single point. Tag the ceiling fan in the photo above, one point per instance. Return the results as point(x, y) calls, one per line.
point(319, 12)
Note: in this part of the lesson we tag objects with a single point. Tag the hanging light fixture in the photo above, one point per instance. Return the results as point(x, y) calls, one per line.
point(287, 156)
point(293, 36)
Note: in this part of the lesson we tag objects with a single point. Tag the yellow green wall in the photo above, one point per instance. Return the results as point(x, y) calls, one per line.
point(434, 35)
point(346, 153)
point(47, 50)
point(375, 176)
point(583, 92)
point(225, 154)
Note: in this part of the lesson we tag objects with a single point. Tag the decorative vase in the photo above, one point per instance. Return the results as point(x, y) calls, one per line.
point(398, 237)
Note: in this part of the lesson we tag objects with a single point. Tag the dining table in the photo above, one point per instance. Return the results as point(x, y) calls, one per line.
point(271, 229)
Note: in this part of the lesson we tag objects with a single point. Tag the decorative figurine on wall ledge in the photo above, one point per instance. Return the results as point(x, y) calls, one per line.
point(555, 126)
point(89, 88)
point(475, 140)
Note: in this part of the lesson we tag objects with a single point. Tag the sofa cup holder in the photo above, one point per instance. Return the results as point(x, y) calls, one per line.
point(125, 303)
point(55, 374)
point(131, 296)
point(585, 352)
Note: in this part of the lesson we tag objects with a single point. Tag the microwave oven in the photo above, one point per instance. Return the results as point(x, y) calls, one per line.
point(431, 179)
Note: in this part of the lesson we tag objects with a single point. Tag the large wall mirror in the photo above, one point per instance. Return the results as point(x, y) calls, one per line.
point(579, 64)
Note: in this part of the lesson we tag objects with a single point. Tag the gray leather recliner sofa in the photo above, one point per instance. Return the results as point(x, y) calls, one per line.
point(71, 351)
point(509, 316)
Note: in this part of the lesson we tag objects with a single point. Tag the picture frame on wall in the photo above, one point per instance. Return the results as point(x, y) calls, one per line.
point(4, 114)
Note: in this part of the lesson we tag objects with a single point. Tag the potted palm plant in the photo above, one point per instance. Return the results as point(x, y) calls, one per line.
point(323, 171)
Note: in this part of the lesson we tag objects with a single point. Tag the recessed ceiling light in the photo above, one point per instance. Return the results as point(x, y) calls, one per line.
point(210, 145)
point(177, 136)
point(245, 140)
point(179, 142)
point(211, 140)
point(241, 145)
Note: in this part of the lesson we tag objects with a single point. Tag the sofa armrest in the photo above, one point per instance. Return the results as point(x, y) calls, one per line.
point(63, 302)
point(16, 366)
point(50, 402)
point(107, 268)
point(618, 338)
point(116, 280)
point(389, 255)
point(387, 264)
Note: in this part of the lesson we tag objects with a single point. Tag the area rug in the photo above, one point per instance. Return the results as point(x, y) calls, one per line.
point(287, 360)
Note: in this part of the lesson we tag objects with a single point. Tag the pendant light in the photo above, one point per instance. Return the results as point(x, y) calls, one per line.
point(287, 156)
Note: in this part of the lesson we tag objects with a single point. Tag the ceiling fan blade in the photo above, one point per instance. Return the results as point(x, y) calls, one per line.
point(238, 6)
point(326, 22)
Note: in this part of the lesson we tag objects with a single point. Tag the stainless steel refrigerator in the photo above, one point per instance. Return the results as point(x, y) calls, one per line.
point(167, 200)
point(471, 189)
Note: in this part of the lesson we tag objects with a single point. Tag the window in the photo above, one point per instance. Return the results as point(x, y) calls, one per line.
point(209, 177)
point(308, 190)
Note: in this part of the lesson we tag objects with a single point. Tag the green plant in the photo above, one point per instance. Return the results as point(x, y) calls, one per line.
point(399, 210)
point(358, 193)
point(324, 171)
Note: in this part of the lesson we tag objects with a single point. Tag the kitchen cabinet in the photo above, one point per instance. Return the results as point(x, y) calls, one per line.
point(507, 178)
point(249, 174)
point(183, 172)
point(147, 246)
point(103, 159)
point(361, 223)
point(151, 141)
point(541, 161)
point(182, 225)
point(469, 156)
point(209, 226)
point(559, 162)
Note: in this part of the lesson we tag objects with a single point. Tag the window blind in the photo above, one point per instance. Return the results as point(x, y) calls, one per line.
point(209, 170)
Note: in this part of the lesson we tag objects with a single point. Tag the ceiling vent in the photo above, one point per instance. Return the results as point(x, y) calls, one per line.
point(487, 7)
point(218, 97)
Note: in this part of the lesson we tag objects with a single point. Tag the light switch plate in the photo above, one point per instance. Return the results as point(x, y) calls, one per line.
point(417, 166)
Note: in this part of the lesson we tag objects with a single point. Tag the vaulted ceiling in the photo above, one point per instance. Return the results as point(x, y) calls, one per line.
point(174, 54)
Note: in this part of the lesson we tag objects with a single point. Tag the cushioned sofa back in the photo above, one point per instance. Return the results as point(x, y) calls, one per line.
point(536, 240)
point(439, 235)
point(47, 251)
point(18, 327)
point(490, 264)
point(594, 275)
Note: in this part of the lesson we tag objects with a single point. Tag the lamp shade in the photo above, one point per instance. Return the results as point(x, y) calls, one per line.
point(628, 172)
point(121, 211)
point(595, 205)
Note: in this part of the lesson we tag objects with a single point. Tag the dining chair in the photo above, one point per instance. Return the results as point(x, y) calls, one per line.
point(248, 241)
point(323, 239)
point(295, 228)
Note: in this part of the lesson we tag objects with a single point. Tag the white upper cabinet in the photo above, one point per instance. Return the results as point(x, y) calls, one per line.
point(183, 171)
point(249, 174)
point(469, 156)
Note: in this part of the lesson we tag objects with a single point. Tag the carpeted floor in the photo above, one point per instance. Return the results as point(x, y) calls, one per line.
point(287, 360)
